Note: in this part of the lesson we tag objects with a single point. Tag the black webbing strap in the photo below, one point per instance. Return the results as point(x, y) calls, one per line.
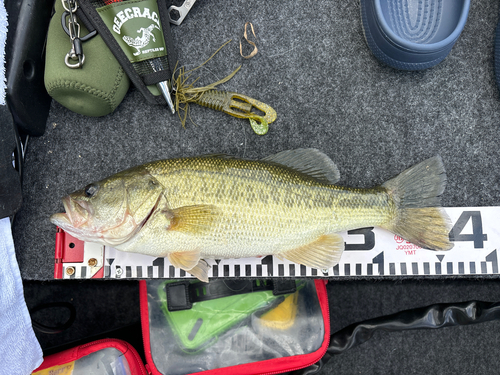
point(95, 19)
point(181, 295)
point(153, 78)
point(83, 17)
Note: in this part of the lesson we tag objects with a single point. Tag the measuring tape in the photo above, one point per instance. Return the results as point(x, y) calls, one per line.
point(369, 252)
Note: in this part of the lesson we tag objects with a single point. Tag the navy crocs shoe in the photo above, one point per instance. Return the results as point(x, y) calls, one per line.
point(413, 34)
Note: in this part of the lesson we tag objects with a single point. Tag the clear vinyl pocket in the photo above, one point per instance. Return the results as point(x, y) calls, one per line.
point(246, 327)
point(102, 357)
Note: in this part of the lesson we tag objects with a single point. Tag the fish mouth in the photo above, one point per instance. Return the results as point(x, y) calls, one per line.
point(77, 213)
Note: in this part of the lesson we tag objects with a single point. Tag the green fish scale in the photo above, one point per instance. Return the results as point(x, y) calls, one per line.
point(262, 206)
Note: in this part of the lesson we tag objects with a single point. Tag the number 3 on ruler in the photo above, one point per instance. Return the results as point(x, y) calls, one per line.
point(477, 236)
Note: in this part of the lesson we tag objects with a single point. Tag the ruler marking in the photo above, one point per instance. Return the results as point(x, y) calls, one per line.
point(358, 269)
point(461, 268)
point(369, 269)
point(336, 270)
point(472, 266)
point(492, 257)
point(483, 267)
point(159, 264)
point(171, 271)
point(403, 269)
point(449, 268)
point(438, 268)
point(303, 270)
point(392, 268)
point(379, 261)
point(414, 268)
point(427, 270)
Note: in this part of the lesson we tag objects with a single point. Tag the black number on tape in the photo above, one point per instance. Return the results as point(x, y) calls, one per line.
point(369, 242)
point(492, 257)
point(477, 236)
point(379, 259)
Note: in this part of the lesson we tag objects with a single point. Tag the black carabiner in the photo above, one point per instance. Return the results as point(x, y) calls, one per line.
point(64, 17)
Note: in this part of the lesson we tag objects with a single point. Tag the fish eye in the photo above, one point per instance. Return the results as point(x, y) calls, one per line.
point(90, 190)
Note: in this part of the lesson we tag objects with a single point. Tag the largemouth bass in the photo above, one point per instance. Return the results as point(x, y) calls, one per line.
point(216, 207)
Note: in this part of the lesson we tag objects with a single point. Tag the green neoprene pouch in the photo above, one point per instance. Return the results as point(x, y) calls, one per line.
point(137, 32)
point(96, 88)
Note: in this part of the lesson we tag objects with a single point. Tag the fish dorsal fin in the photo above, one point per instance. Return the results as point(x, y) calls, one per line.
point(217, 156)
point(309, 161)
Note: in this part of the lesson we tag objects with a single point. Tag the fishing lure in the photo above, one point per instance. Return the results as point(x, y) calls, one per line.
point(259, 114)
point(240, 106)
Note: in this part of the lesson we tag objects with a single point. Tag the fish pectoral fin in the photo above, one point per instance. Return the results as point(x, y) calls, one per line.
point(184, 260)
point(193, 219)
point(323, 253)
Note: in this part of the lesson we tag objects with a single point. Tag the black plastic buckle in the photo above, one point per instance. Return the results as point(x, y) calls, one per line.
point(181, 295)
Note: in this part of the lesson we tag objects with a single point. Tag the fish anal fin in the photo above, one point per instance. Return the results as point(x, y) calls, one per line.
point(308, 161)
point(185, 260)
point(323, 253)
point(193, 219)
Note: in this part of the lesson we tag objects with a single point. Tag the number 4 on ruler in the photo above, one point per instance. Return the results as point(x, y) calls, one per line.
point(477, 236)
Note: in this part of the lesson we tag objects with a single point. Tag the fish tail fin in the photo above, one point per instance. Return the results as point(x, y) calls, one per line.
point(419, 217)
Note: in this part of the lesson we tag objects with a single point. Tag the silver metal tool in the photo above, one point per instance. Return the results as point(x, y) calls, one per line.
point(183, 10)
point(163, 86)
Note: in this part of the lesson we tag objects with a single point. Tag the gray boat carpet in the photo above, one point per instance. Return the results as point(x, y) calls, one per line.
point(330, 92)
